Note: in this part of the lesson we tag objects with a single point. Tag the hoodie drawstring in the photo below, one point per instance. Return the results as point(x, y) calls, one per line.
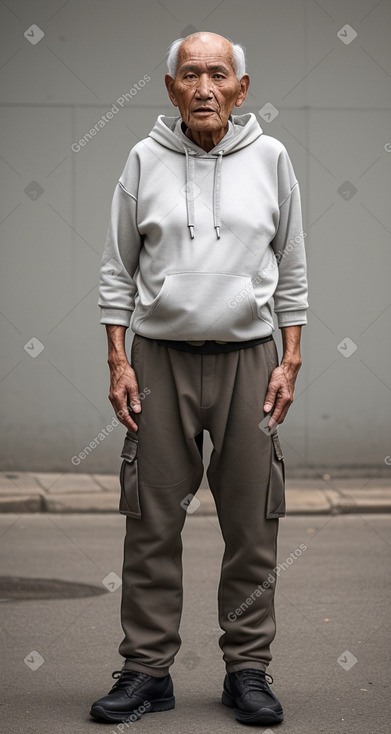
point(191, 195)
point(189, 190)
point(217, 193)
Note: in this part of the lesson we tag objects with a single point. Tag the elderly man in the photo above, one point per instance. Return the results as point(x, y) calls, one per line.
point(205, 231)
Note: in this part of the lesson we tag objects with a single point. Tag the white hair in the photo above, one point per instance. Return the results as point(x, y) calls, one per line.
point(239, 54)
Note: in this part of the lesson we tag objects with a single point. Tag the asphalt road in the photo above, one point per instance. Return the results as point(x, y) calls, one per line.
point(58, 650)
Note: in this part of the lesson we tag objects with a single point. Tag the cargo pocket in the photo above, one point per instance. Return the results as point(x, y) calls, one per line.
point(130, 498)
point(275, 506)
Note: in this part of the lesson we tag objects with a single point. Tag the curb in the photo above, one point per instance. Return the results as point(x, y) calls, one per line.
point(25, 492)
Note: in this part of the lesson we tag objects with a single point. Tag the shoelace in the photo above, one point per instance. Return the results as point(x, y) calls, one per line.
point(127, 679)
point(256, 680)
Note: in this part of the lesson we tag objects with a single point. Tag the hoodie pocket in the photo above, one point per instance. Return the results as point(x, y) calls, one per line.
point(130, 498)
point(275, 505)
point(199, 305)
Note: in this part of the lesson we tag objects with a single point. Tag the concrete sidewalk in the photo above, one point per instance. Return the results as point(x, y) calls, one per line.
point(47, 492)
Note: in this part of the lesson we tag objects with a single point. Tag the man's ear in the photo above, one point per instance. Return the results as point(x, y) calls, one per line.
point(169, 81)
point(244, 85)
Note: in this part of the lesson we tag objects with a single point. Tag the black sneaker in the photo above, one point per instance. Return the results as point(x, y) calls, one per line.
point(133, 695)
point(247, 691)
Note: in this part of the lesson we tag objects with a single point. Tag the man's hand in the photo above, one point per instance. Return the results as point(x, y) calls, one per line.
point(123, 380)
point(123, 383)
point(279, 396)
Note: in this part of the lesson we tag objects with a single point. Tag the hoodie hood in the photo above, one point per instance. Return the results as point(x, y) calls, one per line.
point(242, 131)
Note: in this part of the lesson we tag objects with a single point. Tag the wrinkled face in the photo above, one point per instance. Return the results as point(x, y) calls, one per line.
point(206, 87)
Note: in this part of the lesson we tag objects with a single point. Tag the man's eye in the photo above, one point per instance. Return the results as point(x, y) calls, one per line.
point(219, 76)
point(189, 76)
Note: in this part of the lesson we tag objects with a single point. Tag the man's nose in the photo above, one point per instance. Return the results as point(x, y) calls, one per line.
point(204, 86)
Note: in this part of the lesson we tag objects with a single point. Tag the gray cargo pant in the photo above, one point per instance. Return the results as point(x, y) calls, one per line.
point(184, 394)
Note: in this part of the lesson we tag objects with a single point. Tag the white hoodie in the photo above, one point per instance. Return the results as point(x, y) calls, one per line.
point(199, 243)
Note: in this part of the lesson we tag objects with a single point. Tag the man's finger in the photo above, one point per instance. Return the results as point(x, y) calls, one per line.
point(272, 424)
point(131, 425)
point(129, 422)
point(270, 398)
point(135, 404)
point(281, 410)
point(134, 397)
point(124, 417)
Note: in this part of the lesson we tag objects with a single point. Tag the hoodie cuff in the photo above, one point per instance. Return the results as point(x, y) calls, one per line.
point(118, 316)
point(292, 318)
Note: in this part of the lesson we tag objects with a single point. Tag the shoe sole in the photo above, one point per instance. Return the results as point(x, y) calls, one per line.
point(263, 717)
point(162, 704)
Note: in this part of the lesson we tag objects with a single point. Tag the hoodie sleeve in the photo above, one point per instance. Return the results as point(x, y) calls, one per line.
point(291, 294)
point(117, 288)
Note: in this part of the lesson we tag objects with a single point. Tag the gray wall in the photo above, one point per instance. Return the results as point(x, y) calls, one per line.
point(333, 100)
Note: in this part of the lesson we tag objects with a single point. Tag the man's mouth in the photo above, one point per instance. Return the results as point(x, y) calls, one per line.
point(204, 110)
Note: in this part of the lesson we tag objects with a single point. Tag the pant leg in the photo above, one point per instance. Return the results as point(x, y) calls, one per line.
point(163, 469)
point(247, 483)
